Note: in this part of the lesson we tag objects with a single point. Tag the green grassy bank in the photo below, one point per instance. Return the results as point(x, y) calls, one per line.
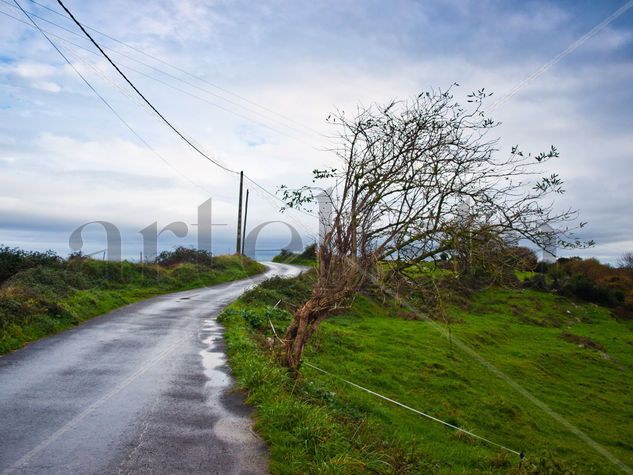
point(305, 258)
point(39, 297)
point(576, 358)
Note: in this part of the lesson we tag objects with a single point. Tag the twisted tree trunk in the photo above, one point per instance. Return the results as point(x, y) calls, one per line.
point(299, 331)
point(338, 277)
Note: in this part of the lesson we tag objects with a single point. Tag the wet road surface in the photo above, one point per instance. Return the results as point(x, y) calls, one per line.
point(143, 389)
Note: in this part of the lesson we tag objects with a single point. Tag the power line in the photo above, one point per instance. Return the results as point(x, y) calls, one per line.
point(152, 106)
point(172, 76)
point(260, 190)
point(169, 124)
point(183, 71)
point(107, 104)
point(160, 81)
point(127, 125)
point(560, 56)
point(146, 101)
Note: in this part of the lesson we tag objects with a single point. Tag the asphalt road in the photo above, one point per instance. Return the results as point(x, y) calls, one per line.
point(143, 389)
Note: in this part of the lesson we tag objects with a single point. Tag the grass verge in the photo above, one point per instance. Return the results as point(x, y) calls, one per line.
point(47, 299)
point(306, 258)
point(576, 358)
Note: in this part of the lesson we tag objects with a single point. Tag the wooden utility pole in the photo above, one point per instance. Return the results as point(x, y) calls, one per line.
point(238, 247)
point(244, 227)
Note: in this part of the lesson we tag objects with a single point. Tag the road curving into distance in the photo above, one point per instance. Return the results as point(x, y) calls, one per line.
point(145, 388)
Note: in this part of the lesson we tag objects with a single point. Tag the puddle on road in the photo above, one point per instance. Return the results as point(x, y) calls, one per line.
point(230, 427)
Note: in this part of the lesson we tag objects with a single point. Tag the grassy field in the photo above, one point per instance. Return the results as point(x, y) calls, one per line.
point(46, 299)
point(575, 358)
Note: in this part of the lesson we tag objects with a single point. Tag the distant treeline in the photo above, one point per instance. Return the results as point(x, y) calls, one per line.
point(588, 280)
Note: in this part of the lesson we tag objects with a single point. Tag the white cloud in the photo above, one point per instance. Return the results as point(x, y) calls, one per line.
point(535, 17)
point(610, 39)
point(71, 149)
point(47, 86)
point(31, 70)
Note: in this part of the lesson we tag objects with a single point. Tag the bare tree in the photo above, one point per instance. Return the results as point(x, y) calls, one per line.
point(408, 169)
point(626, 261)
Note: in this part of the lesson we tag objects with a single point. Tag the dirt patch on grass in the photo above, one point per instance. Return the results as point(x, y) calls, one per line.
point(582, 341)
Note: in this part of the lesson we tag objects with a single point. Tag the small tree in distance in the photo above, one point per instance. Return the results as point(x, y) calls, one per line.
point(626, 261)
point(418, 179)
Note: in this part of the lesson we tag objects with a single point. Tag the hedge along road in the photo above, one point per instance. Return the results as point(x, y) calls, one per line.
point(143, 389)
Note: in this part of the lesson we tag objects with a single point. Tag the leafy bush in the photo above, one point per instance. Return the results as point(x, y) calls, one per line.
point(255, 320)
point(14, 260)
point(536, 282)
point(584, 288)
point(56, 280)
point(185, 255)
point(285, 254)
point(543, 267)
point(588, 280)
point(292, 293)
point(309, 252)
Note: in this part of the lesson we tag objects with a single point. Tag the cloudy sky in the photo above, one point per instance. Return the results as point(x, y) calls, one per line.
point(252, 83)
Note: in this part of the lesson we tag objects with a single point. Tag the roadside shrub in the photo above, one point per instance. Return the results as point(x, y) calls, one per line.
point(186, 272)
point(292, 292)
point(279, 317)
point(582, 287)
point(11, 311)
point(106, 274)
point(20, 304)
point(262, 295)
point(309, 252)
point(46, 279)
point(307, 258)
point(255, 320)
point(588, 280)
point(182, 255)
point(42, 293)
point(14, 260)
point(285, 254)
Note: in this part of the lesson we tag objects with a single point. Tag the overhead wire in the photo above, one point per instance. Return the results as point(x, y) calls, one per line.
point(104, 76)
point(213, 160)
point(259, 190)
point(180, 79)
point(160, 81)
point(262, 191)
point(112, 109)
point(164, 119)
point(563, 54)
point(183, 71)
